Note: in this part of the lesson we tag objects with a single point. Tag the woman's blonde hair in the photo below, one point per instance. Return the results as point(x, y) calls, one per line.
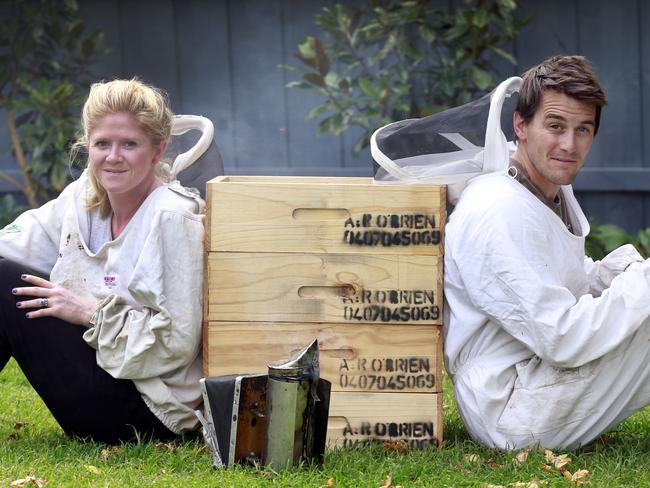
point(150, 107)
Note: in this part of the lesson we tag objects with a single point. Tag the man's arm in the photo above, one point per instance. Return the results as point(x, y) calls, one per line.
point(529, 277)
point(601, 273)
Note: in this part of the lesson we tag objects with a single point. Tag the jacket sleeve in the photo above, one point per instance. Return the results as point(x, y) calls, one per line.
point(601, 273)
point(33, 238)
point(165, 334)
point(510, 275)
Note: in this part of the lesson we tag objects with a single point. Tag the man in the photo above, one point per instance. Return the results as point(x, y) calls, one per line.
point(544, 345)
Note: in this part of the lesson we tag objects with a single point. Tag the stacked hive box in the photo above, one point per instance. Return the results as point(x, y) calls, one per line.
point(354, 264)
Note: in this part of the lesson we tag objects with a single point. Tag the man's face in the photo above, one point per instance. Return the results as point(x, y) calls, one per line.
point(554, 144)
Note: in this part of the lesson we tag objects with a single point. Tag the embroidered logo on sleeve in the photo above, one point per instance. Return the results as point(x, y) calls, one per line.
point(110, 281)
point(11, 229)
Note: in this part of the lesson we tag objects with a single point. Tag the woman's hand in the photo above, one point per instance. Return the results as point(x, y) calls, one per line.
point(54, 301)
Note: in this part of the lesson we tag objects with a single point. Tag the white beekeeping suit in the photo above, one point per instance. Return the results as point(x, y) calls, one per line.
point(543, 345)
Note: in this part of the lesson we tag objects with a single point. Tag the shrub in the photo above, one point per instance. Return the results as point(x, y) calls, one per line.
point(387, 60)
point(44, 66)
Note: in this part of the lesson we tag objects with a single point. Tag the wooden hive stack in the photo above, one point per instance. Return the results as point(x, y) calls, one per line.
point(354, 264)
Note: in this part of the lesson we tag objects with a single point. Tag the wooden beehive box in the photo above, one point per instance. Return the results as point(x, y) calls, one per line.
point(356, 265)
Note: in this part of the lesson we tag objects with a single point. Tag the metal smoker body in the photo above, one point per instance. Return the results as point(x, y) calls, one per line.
point(294, 405)
point(279, 419)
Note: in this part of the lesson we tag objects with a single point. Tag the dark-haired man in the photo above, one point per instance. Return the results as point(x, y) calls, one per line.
point(544, 345)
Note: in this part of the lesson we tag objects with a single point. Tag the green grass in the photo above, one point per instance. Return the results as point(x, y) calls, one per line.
point(40, 449)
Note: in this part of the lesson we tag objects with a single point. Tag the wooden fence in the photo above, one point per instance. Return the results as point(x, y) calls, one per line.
point(221, 59)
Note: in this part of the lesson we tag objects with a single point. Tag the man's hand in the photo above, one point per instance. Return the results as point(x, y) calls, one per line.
point(54, 301)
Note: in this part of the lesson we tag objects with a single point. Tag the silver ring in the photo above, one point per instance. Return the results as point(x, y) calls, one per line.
point(44, 302)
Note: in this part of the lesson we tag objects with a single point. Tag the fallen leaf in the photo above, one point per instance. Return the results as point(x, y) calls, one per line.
point(170, 446)
point(329, 484)
point(20, 425)
point(93, 469)
point(29, 480)
point(490, 462)
point(388, 483)
point(106, 453)
point(488, 485)
point(561, 461)
point(545, 467)
point(399, 445)
point(580, 477)
point(558, 461)
point(521, 456)
point(473, 458)
point(566, 473)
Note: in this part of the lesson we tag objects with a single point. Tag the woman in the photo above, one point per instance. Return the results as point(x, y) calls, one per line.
point(111, 341)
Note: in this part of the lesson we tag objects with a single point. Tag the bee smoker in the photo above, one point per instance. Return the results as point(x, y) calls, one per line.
point(279, 419)
point(297, 410)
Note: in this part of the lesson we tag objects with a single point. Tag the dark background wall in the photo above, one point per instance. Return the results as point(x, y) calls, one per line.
point(220, 58)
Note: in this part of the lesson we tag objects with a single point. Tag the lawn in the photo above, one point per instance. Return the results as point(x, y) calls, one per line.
point(34, 449)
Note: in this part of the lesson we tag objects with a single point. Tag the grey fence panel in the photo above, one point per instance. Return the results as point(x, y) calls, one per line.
point(149, 45)
point(644, 61)
point(548, 33)
point(308, 151)
point(644, 102)
point(626, 210)
point(105, 16)
point(258, 85)
point(609, 37)
point(205, 77)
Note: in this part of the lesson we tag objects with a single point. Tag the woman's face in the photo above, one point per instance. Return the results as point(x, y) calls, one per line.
point(123, 158)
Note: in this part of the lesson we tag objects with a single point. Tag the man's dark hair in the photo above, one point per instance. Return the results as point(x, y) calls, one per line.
point(570, 75)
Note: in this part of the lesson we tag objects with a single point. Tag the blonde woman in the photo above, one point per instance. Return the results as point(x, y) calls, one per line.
point(110, 340)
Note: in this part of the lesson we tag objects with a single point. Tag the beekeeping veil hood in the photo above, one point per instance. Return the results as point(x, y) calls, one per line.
point(450, 147)
point(193, 154)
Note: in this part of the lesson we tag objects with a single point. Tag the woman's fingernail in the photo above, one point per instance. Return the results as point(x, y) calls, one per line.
point(22, 277)
point(14, 291)
point(27, 315)
point(19, 304)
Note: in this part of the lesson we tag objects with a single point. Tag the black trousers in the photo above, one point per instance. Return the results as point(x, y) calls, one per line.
point(85, 400)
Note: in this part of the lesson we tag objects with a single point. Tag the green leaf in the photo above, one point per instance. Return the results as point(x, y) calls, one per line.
point(311, 62)
point(481, 78)
point(314, 79)
point(427, 33)
point(643, 240)
point(322, 60)
point(332, 80)
point(613, 236)
point(481, 18)
point(316, 111)
point(504, 54)
point(306, 49)
point(368, 88)
point(507, 4)
point(303, 85)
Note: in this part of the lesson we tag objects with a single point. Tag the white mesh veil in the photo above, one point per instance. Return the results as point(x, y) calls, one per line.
point(450, 147)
